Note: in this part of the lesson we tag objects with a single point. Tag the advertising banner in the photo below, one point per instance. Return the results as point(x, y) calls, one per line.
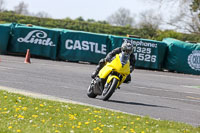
point(5, 30)
point(83, 46)
point(41, 41)
point(182, 57)
point(148, 53)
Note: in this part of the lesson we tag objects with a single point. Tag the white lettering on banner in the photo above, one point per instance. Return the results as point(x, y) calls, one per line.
point(92, 44)
point(145, 57)
point(67, 44)
point(77, 45)
point(145, 44)
point(144, 54)
point(86, 46)
point(143, 51)
point(37, 37)
point(96, 49)
point(194, 60)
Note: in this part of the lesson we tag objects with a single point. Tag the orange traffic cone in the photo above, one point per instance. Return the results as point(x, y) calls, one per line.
point(27, 59)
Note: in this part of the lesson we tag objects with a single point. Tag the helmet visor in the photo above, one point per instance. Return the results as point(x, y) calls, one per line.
point(124, 57)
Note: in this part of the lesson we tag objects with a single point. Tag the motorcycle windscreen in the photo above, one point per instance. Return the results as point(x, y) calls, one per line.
point(115, 65)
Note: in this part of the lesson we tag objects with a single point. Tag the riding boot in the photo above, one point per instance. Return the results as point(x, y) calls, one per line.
point(128, 79)
point(94, 74)
point(99, 67)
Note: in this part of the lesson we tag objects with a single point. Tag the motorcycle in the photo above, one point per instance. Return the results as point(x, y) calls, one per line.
point(110, 77)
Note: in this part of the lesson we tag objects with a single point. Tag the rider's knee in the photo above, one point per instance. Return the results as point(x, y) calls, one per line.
point(102, 62)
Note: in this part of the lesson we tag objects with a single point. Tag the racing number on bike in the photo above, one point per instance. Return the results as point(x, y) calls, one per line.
point(144, 54)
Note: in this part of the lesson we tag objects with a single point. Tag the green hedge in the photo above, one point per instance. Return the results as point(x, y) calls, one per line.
point(66, 24)
point(95, 27)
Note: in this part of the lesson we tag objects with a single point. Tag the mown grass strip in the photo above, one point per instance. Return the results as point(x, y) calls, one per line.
point(23, 114)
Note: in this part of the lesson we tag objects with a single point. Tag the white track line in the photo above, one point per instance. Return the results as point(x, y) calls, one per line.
point(132, 93)
point(150, 88)
point(53, 98)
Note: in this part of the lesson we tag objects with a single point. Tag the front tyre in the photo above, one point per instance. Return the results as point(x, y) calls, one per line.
point(109, 89)
point(90, 92)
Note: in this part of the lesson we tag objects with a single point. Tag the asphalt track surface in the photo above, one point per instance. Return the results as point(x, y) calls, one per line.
point(161, 95)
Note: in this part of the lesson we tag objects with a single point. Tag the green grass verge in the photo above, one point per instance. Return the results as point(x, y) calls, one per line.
point(23, 114)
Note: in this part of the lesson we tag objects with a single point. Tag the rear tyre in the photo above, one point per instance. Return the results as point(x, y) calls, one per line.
point(90, 92)
point(109, 90)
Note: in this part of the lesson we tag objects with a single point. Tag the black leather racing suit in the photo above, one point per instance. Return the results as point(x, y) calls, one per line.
point(109, 57)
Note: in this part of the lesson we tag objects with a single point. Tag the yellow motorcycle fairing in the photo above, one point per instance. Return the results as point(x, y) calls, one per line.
point(115, 65)
point(111, 77)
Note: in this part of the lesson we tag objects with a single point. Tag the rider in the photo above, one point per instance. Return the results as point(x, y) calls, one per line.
point(127, 49)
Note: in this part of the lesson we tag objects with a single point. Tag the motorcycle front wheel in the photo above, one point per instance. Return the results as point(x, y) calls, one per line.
point(109, 89)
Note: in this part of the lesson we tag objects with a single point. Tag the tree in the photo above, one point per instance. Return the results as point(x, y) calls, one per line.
point(94, 21)
point(149, 23)
point(188, 15)
point(91, 21)
point(150, 18)
point(21, 8)
point(80, 19)
point(187, 19)
point(122, 17)
point(2, 3)
point(195, 5)
point(102, 22)
point(42, 14)
point(67, 18)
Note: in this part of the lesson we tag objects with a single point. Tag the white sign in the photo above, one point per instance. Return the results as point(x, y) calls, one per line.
point(37, 37)
point(194, 60)
point(143, 51)
point(144, 54)
point(85, 46)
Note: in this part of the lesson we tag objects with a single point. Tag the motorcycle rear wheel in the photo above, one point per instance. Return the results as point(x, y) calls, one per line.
point(107, 92)
point(90, 92)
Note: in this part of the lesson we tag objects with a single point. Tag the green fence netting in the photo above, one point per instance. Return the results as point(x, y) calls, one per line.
point(182, 57)
point(5, 30)
point(148, 53)
point(40, 41)
point(83, 46)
